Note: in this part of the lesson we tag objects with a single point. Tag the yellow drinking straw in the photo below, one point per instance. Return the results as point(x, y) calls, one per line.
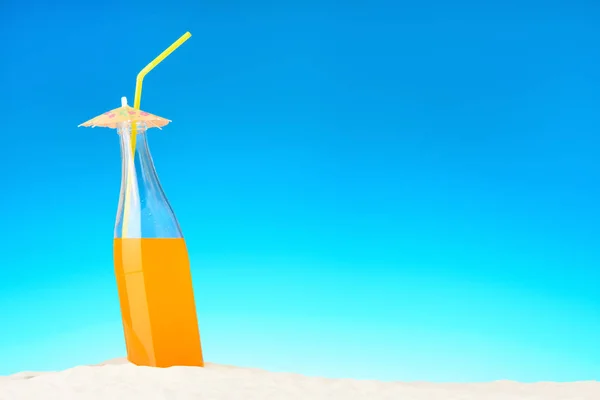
point(140, 78)
point(136, 104)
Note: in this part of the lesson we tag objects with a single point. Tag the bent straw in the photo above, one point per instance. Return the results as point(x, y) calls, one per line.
point(136, 104)
point(140, 78)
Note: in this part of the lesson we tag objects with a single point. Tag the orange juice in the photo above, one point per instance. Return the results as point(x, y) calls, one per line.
point(157, 302)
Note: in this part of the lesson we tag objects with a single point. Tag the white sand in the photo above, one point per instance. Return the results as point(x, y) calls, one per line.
point(117, 379)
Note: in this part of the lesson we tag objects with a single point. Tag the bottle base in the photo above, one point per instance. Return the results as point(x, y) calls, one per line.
point(157, 302)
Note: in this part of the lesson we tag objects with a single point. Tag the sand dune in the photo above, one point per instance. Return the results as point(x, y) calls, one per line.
point(117, 379)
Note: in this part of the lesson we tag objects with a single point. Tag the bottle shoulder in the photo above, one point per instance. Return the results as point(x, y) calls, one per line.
point(144, 210)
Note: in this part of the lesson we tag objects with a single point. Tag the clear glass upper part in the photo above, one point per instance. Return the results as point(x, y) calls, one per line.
point(144, 211)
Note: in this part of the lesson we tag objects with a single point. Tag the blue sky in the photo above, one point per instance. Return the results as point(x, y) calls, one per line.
point(376, 190)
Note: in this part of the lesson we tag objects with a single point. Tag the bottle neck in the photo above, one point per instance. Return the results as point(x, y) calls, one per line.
point(134, 149)
point(144, 211)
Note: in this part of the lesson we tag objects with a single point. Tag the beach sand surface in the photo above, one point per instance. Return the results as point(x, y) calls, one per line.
point(118, 379)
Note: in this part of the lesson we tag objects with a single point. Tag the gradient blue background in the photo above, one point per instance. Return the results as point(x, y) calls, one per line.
point(368, 190)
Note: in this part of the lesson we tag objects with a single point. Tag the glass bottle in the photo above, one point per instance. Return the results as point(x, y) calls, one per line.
point(152, 266)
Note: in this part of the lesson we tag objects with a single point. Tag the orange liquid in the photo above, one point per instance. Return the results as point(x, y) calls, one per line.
point(157, 302)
